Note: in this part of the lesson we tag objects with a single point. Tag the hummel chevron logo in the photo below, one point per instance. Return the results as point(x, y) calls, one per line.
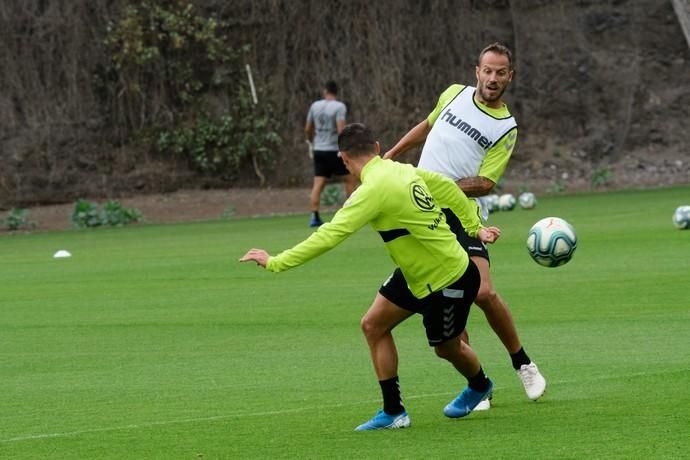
point(448, 321)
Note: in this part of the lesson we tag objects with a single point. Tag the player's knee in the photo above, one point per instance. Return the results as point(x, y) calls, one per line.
point(486, 296)
point(370, 328)
point(444, 351)
point(465, 337)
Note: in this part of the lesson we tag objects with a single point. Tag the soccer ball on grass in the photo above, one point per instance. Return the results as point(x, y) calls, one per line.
point(506, 202)
point(681, 218)
point(551, 242)
point(492, 202)
point(527, 200)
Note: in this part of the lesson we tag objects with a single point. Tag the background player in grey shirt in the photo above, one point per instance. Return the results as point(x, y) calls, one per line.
point(325, 120)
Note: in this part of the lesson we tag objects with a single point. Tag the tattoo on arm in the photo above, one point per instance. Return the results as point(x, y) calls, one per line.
point(475, 186)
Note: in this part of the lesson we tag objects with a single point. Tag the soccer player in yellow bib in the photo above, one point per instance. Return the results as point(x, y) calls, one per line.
point(435, 276)
point(468, 137)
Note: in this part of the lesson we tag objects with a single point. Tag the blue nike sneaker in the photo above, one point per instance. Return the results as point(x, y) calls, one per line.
point(466, 402)
point(315, 222)
point(382, 421)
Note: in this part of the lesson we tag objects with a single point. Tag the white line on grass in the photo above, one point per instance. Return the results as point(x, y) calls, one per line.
point(278, 412)
point(148, 424)
point(135, 426)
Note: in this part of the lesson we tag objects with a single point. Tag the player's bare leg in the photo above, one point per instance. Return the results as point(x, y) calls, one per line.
point(377, 324)
point(479, 387)
point(315, 200)
point(501, 321)
point(495, 309)
point(460, 355)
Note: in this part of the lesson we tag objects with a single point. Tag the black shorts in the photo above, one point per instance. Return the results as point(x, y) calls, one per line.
point(473, 246)
point(327, 163)
point(445, 312)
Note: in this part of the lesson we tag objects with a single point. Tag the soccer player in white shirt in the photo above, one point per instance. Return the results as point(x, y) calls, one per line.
point(469, 137)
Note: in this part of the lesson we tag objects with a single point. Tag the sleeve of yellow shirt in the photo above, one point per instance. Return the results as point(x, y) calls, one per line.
point(358, 210)
point(448, 195)
point(443, 100)
point(494, 164)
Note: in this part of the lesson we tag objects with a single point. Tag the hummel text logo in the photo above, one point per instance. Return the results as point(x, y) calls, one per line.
point(466, 128)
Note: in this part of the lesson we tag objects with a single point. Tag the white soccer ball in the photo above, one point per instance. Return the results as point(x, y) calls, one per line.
point(681, 218)
point(527, 200)
point(551, 242)
point(506, 202)
point(492, 202)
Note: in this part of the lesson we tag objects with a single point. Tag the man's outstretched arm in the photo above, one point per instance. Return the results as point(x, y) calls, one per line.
point(413, 138)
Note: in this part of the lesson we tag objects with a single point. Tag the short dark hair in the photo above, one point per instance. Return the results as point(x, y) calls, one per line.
point(498, 48)
point(357, 139)
point(331, 87)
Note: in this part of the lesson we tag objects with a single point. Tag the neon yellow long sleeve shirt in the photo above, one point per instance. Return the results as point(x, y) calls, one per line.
point(403, 204)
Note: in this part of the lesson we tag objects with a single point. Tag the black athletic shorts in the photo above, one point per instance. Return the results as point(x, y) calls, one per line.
point(327, 163)
point(445, 312)
point(473, 246)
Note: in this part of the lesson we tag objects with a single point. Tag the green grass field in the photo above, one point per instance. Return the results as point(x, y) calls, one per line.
point(154, 342)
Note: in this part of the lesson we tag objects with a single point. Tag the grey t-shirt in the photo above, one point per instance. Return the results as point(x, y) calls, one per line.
point(323, 114)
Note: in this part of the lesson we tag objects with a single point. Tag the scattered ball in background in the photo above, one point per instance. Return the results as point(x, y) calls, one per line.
point(681, 218)
point(492, 202)
point(527, 200)
point(506, 202)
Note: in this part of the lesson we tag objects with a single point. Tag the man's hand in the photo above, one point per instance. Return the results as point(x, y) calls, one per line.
point(257, 255)
point(310, 149)
point(489, 234)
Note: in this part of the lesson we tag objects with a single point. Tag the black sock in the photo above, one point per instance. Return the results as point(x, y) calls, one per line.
point(519, 358)
point(392, 401)
point(315, 215)
point(479, 382)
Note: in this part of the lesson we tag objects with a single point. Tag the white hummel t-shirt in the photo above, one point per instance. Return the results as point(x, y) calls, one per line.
point(467, 139)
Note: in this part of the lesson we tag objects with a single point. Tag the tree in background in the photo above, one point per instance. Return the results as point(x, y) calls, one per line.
point(175, 83)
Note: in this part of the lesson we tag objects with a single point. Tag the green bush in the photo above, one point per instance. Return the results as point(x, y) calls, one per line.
point(179, 86)
point(332, 195)
point(114, 214)
point(86, 214)
point(17, 219)
point(601, 177)
point(221, 145)
point(164, 57)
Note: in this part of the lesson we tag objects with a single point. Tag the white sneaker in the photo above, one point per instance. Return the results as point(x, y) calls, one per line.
point(532, 380)
point(484, 404)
